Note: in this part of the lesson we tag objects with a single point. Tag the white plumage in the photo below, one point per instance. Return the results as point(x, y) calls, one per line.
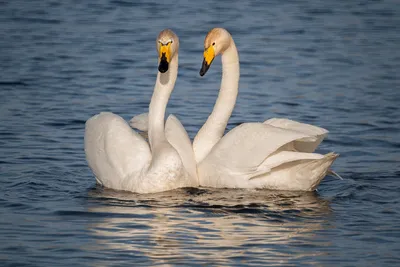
point(276, 154)
point(121, 159)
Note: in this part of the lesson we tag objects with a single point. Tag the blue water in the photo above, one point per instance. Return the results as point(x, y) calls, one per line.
point(334, 64)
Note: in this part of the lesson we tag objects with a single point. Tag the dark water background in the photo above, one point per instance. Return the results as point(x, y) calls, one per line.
point(334, 64)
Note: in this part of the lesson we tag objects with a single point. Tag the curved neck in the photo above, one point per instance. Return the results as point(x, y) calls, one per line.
point(228, 92)
point(215, 126)
point(162, 90)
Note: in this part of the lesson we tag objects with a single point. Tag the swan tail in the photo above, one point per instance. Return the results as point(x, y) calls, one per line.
point(312, 173)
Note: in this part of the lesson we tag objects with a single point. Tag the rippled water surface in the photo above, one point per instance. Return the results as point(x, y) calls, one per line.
point(334, 64)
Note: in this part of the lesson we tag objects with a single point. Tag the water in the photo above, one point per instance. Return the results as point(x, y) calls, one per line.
point(334, 64)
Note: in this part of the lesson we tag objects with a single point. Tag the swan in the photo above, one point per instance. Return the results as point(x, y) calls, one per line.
point(121, 159)
point(276, 154)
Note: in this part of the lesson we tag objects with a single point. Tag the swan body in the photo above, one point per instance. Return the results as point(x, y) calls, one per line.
point(276, 154)
point(121, 159)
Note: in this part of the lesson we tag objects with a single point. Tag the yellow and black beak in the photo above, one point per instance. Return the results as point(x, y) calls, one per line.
point(209, 55)
point(164, 57)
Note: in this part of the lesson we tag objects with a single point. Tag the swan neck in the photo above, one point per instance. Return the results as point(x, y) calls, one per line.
point(215, 126)
point(162, 91)
point(228, 92)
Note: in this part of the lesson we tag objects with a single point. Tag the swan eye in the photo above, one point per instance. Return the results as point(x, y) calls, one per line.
point(213, 43)
point(165, 43)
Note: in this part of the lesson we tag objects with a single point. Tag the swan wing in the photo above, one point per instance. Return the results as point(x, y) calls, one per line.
point(278, 159)
point(179, 139)
point(246, 147)
point(254, 155)
point(140, 122)
point(288, 170)
point(308, 144)
point(113, 150)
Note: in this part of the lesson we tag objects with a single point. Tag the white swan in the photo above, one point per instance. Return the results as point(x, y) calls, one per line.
point(276, 154)
point(121, 159)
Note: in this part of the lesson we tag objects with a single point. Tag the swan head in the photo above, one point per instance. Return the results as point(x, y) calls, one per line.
point(167, 47)
point(215, 43)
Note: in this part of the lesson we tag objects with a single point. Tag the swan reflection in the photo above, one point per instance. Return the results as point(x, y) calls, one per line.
point(205, 226)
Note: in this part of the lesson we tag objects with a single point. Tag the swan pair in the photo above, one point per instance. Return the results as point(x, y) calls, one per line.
point(276, 154)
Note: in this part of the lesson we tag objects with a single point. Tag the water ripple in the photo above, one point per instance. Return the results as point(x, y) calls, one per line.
point(332, 64)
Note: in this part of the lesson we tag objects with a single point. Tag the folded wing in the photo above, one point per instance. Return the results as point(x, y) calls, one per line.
point(308, 144)
point(248, 145)
point(113, 150)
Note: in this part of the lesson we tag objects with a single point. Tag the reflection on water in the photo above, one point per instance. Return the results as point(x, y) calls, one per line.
point(196, 225)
